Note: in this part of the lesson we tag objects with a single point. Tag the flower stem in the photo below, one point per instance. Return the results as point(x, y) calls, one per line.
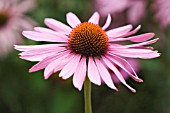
point(87, 96)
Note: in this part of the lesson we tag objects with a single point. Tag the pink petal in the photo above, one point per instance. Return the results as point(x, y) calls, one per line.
point(42, 30)
point(40, 52)
point(43, 36)
point(138, 38)
point(72, 20)
point(49, 31)
point(33, 47)
point(105, 74)
point(57, 26)
point(80, 74)
point(63, 63)
point(93, 73)
point(127, 34)
point(42, 64)
point(50, 68)
point(46, 61)
point(94, 18)
point(136, 53)
point(119, 31)
point(143, 43)
point(139, 45)
point(38, 57)
point(117, 73)
point(70, 68)
point(108, 21)
point(134, 76)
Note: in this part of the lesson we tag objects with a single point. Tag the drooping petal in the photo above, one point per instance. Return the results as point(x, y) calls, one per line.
point(134, 75)
point(117, 73)
point(72, 20)
point(46, 61)
point(44, 36)
point(93, 73)
point(57, 26)
point(138, 38)
point(42, 51)
point(51, 67)
point(94, 18)
point(113, 33)
point(70, 67)
point(80, 74)
point(108, 21)
point(39, 52)
point(105, 74)
point(63, 63)
point(37, 57)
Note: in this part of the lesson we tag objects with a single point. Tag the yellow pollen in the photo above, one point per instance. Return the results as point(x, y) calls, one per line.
point(88, 39)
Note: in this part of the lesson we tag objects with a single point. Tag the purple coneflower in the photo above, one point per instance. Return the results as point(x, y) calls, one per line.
point(132, 10)
point(162, 8)
point(84, 49)
point(12, 22)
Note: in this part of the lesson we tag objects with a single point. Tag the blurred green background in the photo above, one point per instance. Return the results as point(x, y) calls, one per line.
point(24, 92)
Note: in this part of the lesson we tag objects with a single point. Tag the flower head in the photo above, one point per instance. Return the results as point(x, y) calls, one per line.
point(12, 22)
point(133, 10)
point(86, 48)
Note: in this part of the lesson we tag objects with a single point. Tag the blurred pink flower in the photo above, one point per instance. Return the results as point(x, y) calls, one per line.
point(133, 10)
point(162, 8)
point(86, 48)
point(12, 22)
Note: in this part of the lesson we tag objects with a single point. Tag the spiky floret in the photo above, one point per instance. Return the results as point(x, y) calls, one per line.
point(88, 39)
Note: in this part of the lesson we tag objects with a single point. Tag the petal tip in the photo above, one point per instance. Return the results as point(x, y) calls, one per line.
point(140, 80)
point(134, 91)
point(46, 77)
point(116, 89)
point(79, 88)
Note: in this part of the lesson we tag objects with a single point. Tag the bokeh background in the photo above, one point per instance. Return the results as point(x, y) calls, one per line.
point(24, 92)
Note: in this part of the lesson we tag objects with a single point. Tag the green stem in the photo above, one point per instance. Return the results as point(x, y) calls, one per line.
point(87, 96)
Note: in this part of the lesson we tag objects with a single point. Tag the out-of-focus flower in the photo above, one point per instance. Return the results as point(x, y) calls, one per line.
point(12, 22)
point(86, 48)
point(133, 10)
point(162, 8)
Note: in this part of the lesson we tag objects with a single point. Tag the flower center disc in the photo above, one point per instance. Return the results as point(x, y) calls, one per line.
point(3, 19)
point(88, 39)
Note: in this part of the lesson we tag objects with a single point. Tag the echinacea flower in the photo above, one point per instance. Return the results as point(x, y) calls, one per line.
point(133, 10)
point(85, 48)
point(162, 8)
point(12, 22)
